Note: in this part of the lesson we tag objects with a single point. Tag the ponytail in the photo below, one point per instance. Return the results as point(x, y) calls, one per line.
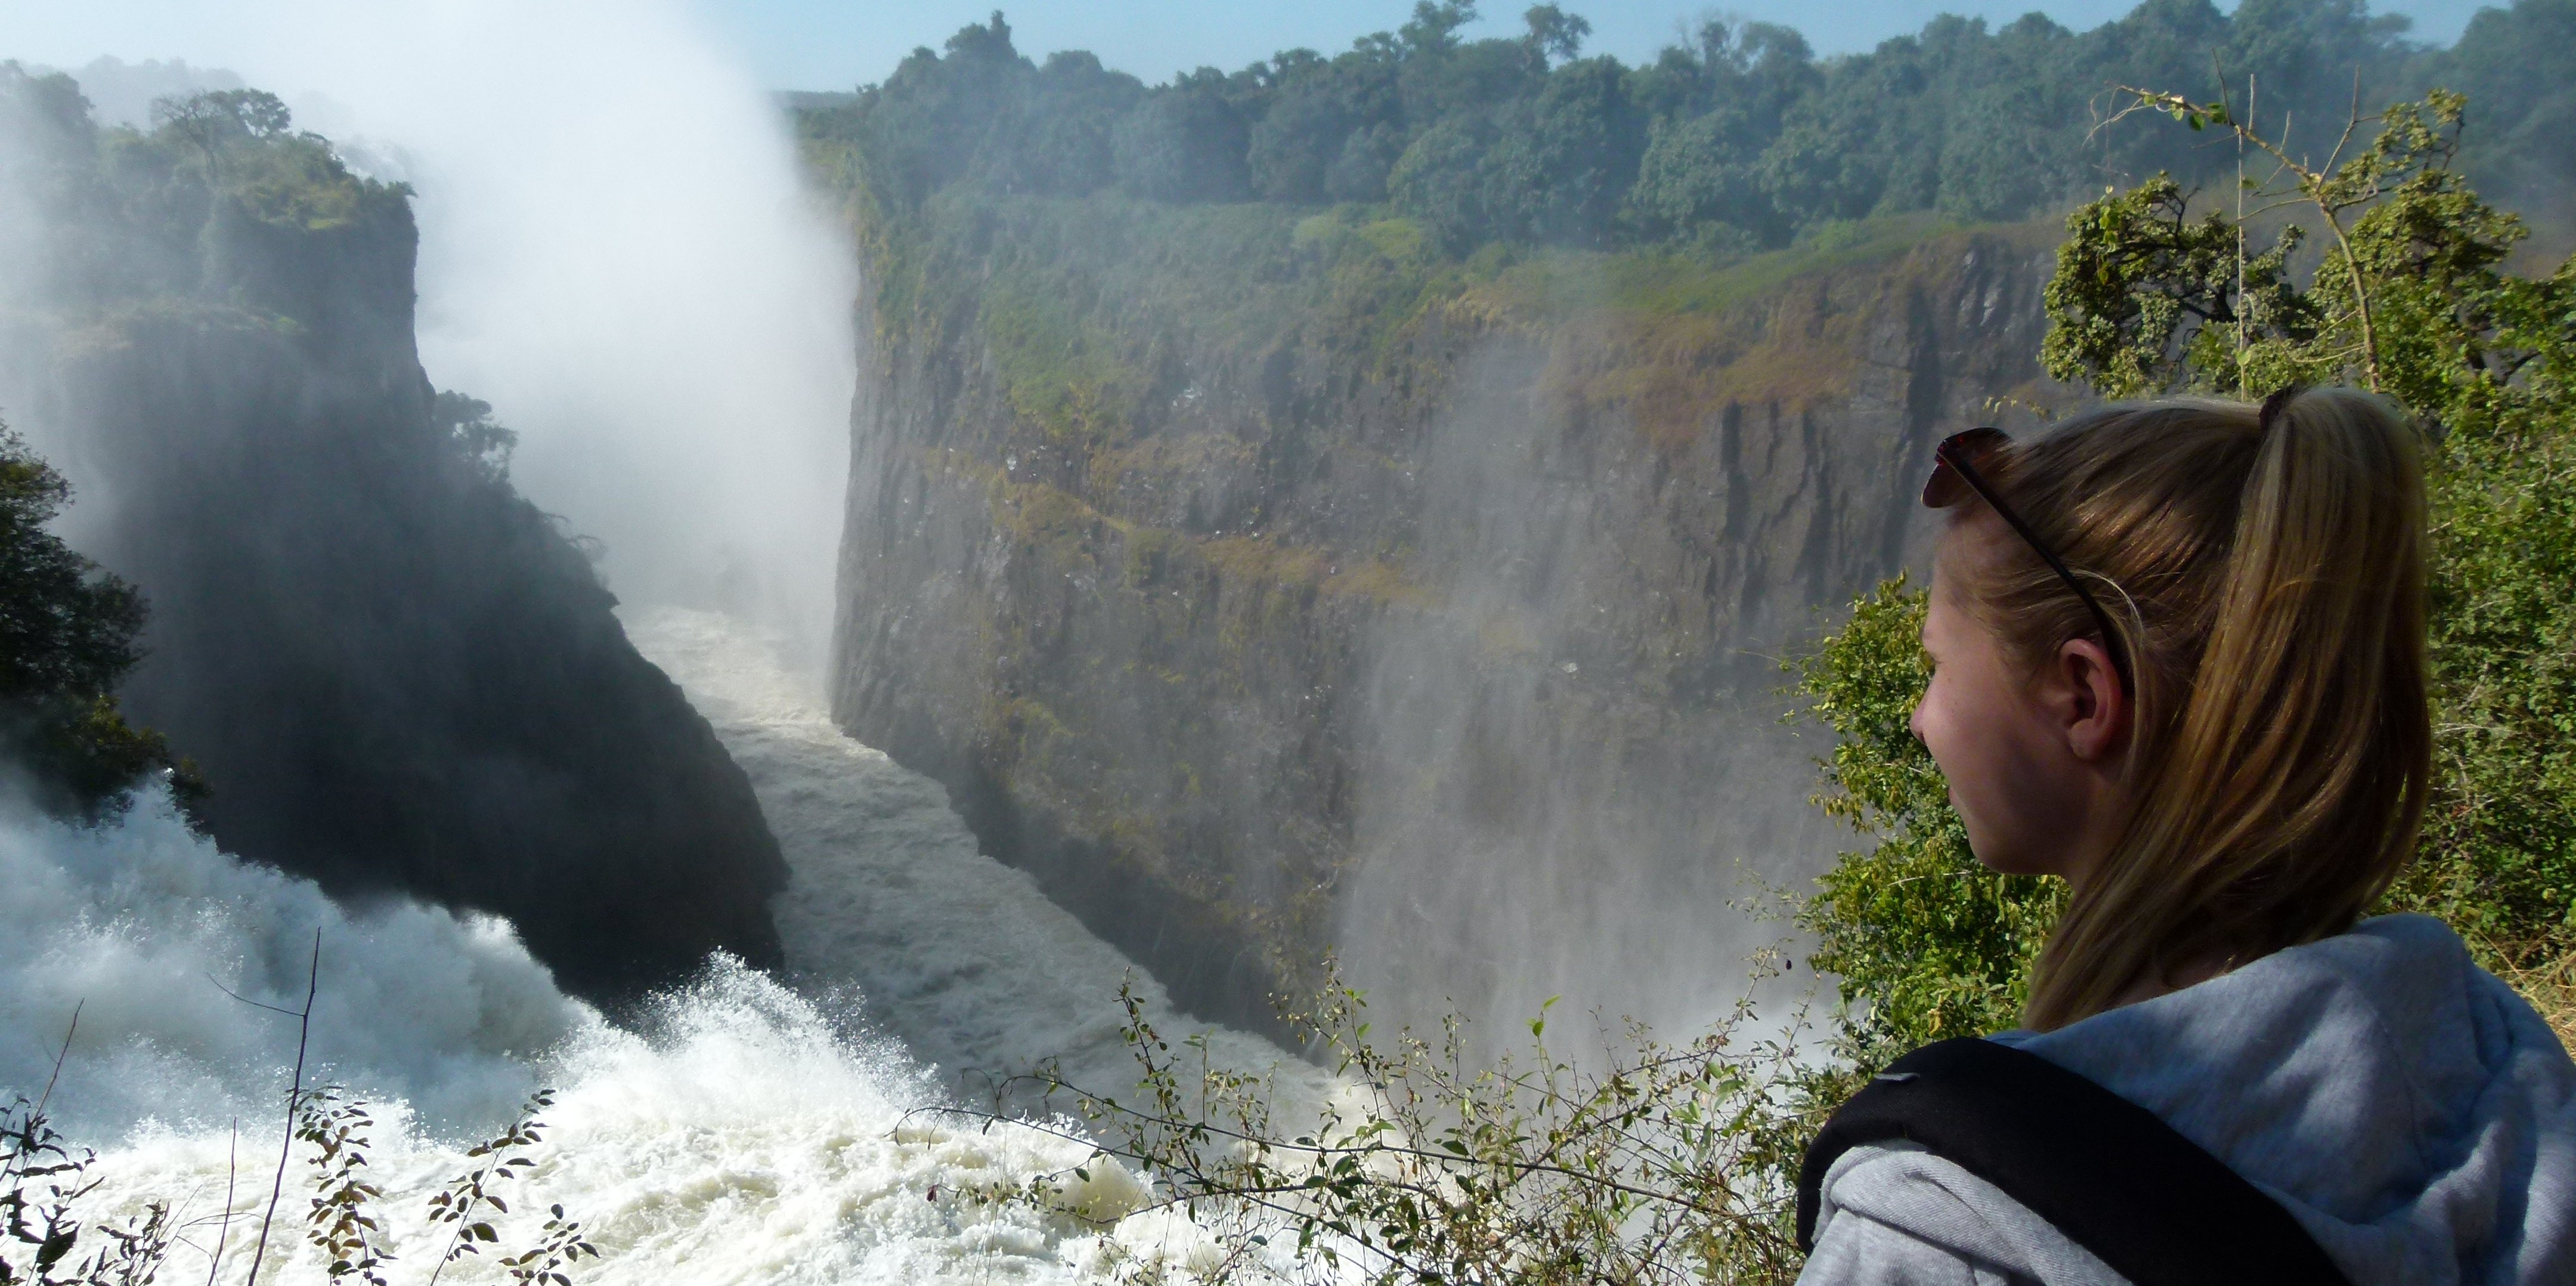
point(2266, 572)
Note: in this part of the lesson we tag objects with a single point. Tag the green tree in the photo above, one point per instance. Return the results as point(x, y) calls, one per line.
point(1564, 158)
point(1295, 143)
point(1554, 34)
point(485, 444)
point(67, 636)
point(1441, 181)
point(2519, 60)
point(214, 121)
point(1185, 142)
point(1700, 179)
point(1434, 26)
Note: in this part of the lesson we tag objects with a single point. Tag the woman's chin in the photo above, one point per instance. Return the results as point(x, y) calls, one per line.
point(2006, 861)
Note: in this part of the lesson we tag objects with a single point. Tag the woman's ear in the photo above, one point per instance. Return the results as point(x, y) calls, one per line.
point(2097, 708)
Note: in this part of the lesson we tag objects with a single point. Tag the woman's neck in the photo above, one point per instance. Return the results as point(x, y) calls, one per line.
point(2190, 973)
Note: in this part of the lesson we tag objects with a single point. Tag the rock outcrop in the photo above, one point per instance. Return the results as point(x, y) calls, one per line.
point(395, 673)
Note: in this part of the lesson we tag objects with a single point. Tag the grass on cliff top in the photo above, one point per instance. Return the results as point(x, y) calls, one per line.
point(1660, 283)
point(1247, 277)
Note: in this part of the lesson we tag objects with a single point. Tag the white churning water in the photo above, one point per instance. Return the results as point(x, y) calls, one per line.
point(957, 955)
point(749, 1131)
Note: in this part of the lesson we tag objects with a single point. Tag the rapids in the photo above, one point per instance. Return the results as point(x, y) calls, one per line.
point(741, 1129)
point(959, 956)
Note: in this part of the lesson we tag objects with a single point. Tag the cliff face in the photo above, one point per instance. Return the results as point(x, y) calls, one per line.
point(1433, 618)
point(394, 672)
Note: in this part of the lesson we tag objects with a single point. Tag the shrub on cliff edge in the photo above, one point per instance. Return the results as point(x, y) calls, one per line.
point(67, 636)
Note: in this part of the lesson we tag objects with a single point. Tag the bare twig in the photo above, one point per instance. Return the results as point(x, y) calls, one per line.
point(294, 1099)
point(223, 1229)
point(219, 986)
point(60, 1055)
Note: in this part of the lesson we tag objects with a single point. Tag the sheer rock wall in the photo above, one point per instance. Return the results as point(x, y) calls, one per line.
point(1403, 658)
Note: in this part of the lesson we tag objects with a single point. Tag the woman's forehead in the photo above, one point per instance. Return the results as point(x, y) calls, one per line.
point(1972, 536)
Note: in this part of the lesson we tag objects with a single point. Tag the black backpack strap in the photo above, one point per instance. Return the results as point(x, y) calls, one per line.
point(2108, 1173)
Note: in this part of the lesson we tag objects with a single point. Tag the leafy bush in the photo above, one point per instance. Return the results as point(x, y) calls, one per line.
point(41, 1180)
point(1671, 1163)
point(1922, 941)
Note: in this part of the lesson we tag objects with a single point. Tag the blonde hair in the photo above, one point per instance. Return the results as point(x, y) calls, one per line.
point(2267, 584)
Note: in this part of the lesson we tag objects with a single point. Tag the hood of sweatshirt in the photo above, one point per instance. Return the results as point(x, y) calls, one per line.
point(2408, 1107)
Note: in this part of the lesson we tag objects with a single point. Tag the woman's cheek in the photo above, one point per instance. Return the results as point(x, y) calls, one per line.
point(1962, 749)
point(1935, 724)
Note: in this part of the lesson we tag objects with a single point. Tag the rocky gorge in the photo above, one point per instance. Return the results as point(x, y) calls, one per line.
point(1267, 586)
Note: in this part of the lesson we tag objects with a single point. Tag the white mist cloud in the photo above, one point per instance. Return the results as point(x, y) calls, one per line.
point(615, 252)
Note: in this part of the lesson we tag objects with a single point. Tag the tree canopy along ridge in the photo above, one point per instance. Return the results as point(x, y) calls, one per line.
point(1735, 139)
point(1387, 203)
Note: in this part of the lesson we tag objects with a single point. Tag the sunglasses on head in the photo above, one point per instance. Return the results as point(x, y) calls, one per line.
point(1955, 477)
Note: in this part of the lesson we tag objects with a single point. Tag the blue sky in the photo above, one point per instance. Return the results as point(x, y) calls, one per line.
point(835, 44)
point(838, 44)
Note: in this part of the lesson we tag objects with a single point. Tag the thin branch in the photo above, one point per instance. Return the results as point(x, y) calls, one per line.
point(223, 1230)
point(2360, 295)
point(250, 1002)
point(2242, 339)
point(59, 1056)
point(2351, 122)
point(294, 1099)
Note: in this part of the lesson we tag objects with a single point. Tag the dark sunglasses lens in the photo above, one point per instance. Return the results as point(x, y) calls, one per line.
point(1945, 487)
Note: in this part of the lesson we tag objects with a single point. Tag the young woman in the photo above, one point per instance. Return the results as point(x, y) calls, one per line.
point(2178, 658)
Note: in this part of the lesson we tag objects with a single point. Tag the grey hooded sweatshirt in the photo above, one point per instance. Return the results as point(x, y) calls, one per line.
point(2406, 1106)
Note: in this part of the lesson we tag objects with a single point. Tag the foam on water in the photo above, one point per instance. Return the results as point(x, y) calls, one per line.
point(743, 1142)
point(142, 925)
point(742, 1130)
